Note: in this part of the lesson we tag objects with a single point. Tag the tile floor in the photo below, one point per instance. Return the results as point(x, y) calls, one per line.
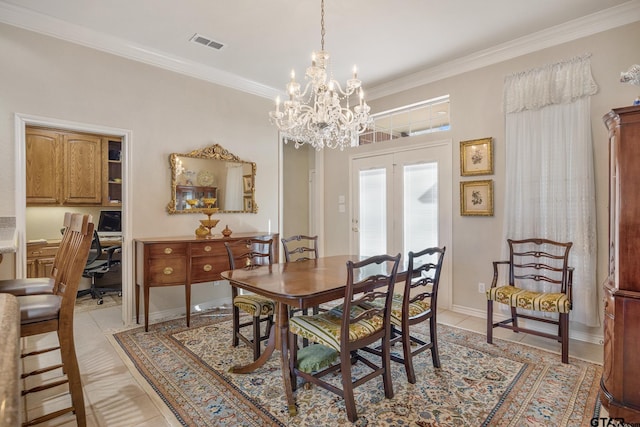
point(115, 395)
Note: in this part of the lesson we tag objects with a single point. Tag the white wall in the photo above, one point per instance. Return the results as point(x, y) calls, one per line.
point(166, 112)
point(476, 112)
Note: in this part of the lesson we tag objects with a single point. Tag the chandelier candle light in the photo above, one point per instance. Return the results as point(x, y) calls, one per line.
point(316, 115)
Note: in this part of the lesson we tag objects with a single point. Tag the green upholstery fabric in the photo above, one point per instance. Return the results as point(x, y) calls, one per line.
point(324, 328)
point(522, 298)
point(255, 305)
point(316, 357)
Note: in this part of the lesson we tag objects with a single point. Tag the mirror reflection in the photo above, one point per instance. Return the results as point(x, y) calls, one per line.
point(211, 173)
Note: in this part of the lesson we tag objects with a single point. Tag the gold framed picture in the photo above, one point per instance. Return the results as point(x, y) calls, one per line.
point(476, 157)
point(247, 182)
point(476, 198)
point(248, 204)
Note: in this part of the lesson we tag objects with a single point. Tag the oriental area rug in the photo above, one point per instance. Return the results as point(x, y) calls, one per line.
point(504, 384)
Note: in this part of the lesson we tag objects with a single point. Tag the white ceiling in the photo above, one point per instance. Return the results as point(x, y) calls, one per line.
point(395, 44)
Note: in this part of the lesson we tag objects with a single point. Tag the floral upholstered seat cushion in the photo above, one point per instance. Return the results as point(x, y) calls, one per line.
point(255, 305)
point(530, 300)
point(415, 308)
point(324, 328)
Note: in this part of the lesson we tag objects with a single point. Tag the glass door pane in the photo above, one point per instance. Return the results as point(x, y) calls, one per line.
point(420, 206)
point(373, 212)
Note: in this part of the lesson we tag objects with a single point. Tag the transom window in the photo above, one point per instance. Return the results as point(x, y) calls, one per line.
point(423, 117)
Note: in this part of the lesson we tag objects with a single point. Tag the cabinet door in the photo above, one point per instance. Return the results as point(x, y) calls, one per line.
point(45, 267)
point(43, 160)
point(32, 268)
point(82, 169)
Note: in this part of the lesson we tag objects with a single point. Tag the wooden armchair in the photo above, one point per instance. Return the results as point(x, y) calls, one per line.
point(534, 261)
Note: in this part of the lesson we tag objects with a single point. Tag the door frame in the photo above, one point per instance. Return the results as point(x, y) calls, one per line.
point(21, 121)
point(447, 235)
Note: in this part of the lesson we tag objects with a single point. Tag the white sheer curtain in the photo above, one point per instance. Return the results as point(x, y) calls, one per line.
point(233, 189)
point(550, 188)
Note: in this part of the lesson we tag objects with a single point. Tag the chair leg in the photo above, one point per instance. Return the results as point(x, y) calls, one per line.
point(236, 326)
point(72, 371)
point(434, 341)
point(514, 319)
point(256, 337)
point(490, 321)
point(293, 360)
point(564, 327)
point(408, 357)
point(386, 365)
point(347, 387)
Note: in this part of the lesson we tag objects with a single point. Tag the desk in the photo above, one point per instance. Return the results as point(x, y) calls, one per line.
point(183, 261)
point(301, 284)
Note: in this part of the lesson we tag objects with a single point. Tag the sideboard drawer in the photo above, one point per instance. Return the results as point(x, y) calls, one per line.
point(207, 269)
point(213, 248)
point(169, 270)
point(167, 249)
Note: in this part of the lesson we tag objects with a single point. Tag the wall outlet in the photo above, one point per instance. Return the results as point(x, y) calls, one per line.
point(481, 289)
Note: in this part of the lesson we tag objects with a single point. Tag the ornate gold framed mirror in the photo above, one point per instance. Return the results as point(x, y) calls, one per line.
point(211, 173)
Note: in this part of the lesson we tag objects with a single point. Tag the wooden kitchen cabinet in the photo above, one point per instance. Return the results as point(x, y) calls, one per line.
point(64, 168)
point(112, 172)
point(183, 261)
point(40, 258)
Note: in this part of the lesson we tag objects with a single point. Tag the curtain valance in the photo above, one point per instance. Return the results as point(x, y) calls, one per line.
point(560, 83)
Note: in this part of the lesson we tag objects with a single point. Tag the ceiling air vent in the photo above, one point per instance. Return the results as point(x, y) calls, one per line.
point(197, 38)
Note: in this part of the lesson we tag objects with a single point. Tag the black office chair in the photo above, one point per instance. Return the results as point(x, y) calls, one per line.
point(100, 261)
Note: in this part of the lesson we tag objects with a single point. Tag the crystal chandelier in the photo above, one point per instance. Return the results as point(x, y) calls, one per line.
point(316, 115)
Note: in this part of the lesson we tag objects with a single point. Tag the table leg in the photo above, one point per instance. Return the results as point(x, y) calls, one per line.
point(279, 331)
point(187, 297)
point(283, 325)
point(145, 291)
point(266, 354)
point(137, 303)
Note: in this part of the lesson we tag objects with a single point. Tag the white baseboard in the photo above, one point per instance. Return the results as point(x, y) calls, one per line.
point(576, 335)
point(158, 316)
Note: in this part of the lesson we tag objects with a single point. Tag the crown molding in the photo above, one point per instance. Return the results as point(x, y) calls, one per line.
point(40, 23)
point(616, 16)
point(607, 19)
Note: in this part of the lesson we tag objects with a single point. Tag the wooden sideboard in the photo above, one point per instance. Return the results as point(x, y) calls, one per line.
point(183, 261)
point(620, 385)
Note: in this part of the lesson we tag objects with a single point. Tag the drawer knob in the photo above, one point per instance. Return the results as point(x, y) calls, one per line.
point(207, 267)
point(167, 270)
point(168, 250)
point(207, 248)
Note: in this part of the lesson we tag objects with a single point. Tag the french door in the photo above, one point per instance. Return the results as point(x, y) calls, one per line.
point(402, 202)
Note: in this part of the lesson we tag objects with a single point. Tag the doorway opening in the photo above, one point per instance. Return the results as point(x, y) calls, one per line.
point(22, 122)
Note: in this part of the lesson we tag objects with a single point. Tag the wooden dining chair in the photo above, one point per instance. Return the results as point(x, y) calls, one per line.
point(300, 247)
point(356, 324)
point(534, 262)
point(53, 312)
point(416, 304)
point(251, 253)
point(42, 285)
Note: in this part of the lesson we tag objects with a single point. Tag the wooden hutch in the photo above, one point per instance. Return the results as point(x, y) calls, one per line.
point(620, 384)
